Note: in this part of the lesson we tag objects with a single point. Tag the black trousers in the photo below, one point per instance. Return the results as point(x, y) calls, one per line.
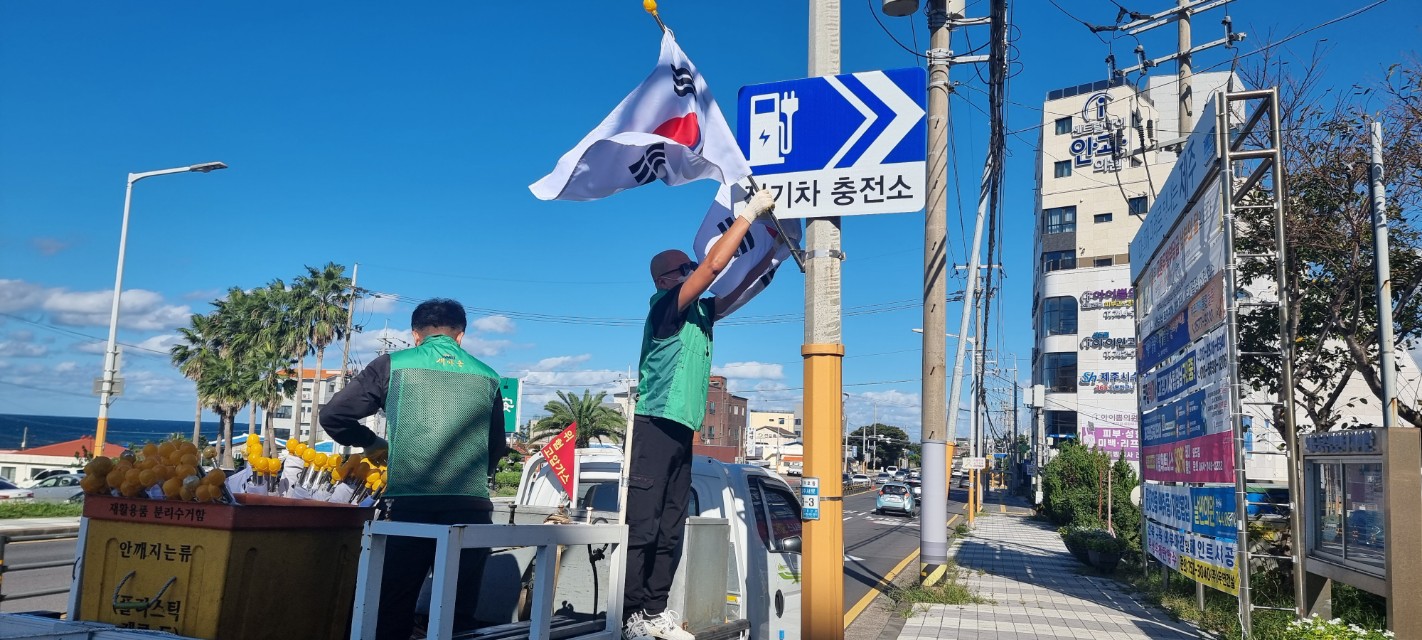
point(658, 489)
point(409, 560)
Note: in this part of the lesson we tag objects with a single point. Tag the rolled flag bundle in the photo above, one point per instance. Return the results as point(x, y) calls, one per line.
point(669, 128)
point(755, 261)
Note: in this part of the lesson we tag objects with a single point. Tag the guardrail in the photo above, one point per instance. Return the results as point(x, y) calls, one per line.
point(6, 569)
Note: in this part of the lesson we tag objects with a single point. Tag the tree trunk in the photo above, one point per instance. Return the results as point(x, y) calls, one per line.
point(268, 433)
point(318, 384)
point(251, 419)
point(228, 417)
point(197, 422)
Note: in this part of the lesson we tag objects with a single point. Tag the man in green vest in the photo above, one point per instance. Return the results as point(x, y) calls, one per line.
point(445, 428)
point(673, 374)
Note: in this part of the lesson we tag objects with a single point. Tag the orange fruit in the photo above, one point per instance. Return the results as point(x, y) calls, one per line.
point(147, 477)
point(172, 487)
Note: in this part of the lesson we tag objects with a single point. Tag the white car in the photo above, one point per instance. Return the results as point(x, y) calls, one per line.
point(859, 480)
point(60, 488)
point(8, 491)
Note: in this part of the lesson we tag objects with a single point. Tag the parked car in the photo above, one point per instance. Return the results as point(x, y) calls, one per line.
point(859, 480)
point(883, 478)
point(914, 474)
point(916, 486)
point(901, 475)
point(8, 491)
point(896, 497)
point(61, 488)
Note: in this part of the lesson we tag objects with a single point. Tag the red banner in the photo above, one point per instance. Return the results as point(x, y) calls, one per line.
point(1207, 458)
point(559, 453)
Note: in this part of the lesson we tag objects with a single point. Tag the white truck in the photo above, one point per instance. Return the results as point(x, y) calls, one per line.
point(742, 517)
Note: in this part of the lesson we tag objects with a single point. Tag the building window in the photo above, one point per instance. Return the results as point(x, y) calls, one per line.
point(1063, 125)
point(1060, 424)
point(1059, 372)
point(1138, 206)
point(1103, 262)
point(782, 421)
point(1058, 260)
point(1102, 217)
point(1059, 220)
point(1061, 169)
point(713, 408)
point(1059, 316)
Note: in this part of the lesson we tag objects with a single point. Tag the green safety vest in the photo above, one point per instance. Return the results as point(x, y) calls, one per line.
point(674, 372)
point(438, 410)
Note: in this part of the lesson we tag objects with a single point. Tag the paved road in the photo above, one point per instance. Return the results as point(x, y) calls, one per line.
point(17, 582)
point(874, 545)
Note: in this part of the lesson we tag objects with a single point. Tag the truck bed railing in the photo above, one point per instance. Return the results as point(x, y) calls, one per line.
point(451, 539)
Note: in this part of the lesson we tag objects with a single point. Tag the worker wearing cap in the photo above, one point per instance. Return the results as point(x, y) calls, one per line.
point(673, 373)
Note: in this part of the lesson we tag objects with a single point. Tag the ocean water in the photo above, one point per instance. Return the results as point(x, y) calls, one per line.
point(122, 431)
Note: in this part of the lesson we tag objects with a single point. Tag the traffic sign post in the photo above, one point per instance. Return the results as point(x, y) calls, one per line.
point(975, 464)
point(838, 145)
point(809, 498)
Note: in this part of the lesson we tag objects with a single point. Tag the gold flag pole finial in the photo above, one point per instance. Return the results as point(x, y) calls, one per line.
point(651, 7)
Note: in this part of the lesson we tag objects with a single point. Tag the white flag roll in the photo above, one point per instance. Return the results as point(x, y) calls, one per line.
point(669, 128)
point(749, 262)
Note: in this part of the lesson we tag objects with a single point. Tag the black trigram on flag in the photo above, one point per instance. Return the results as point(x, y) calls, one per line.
point(652, 164)
point(684, 80)
point(747, 243)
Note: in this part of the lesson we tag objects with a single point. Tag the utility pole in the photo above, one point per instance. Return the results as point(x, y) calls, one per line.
point(1182, 68)
point(1382, 263)
point(823, 613)
point(933, 518)
point(350, 318)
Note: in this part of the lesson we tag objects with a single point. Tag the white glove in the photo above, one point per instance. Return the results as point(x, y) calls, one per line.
point(762, 203)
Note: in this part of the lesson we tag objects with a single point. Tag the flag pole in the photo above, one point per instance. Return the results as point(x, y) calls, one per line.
point(651, 7)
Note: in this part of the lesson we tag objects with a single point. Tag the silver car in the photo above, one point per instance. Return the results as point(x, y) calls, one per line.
point(61, 488)
point(8, 491)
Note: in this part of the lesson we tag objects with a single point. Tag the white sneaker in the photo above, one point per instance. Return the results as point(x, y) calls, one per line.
point(667, 626)
point(635, 628)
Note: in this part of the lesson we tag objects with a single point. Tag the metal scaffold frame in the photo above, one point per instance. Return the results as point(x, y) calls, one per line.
point(1252, 178)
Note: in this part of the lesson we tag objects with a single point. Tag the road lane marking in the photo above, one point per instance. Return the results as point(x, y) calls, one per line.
point(888, 578)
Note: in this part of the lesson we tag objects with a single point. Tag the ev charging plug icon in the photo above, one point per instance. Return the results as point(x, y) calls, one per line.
point(772, 139)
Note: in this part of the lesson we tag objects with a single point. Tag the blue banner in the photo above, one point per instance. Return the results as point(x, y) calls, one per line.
point(1213, 512)
point(1164, 342)
point(1179, 420)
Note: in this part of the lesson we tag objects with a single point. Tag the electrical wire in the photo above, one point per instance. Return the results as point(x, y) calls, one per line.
point(872, 12)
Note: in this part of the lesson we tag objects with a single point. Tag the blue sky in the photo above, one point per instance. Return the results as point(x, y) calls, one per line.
point(404, 138)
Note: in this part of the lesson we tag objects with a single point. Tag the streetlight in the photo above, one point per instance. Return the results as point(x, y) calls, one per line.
point(106, 390)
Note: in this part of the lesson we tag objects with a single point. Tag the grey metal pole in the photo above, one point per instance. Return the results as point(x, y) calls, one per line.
point(1182, 70)
point(934, 432)
point(106, 389)
point(1384, 276)
point(1236, 415)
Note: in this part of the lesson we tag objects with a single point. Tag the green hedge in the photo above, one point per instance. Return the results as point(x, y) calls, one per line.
point(1074, 484)
point(506, 479)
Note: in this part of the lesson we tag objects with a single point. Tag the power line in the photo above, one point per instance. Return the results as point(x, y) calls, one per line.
point(79, 335)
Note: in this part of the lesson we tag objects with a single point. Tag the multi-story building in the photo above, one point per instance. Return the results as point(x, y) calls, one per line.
point(724, 425)
point(283, 422)
point(1098, 170)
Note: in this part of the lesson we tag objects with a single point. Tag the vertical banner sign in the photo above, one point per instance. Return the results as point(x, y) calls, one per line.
point(810, 499)
point(512, 390)
point(559, 452)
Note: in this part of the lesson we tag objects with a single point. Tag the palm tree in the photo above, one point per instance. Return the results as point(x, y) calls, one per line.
point(291, 333)
point(225, 383)
point(190, 354)
point(327, 291)
point(595, 420)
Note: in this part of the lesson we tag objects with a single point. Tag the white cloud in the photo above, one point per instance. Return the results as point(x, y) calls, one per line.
point(138, 309)
point(751, 370)
point(66, 366)
point(494, 324)
point(92, 346)
point(18, 295)
point(556, 362)
point(482, 348)
point(376, 303)
point(22, 349)
point(160, 343)
point(48, 246)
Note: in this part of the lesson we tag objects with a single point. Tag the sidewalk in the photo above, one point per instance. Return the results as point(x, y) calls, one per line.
point(1037, 591)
